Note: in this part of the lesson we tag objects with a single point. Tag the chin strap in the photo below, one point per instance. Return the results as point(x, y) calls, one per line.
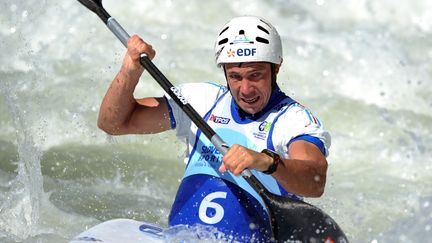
point(273, 75)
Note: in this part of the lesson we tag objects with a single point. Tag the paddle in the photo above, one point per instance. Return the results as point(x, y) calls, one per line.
point(291, 220)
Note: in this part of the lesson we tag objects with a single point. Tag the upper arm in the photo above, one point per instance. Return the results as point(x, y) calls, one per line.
point(150, 115)
point(304, 150)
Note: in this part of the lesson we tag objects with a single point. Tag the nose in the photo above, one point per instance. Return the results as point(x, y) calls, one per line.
point(245, 87)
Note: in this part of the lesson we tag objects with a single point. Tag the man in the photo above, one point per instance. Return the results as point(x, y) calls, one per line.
point(251, 114)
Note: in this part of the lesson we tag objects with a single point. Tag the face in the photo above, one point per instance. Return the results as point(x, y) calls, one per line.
point(250, 84)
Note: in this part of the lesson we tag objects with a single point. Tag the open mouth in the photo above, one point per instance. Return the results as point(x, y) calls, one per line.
point(250, 101)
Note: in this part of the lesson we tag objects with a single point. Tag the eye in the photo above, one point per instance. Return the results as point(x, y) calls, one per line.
point(234, 76)
point(255, 75)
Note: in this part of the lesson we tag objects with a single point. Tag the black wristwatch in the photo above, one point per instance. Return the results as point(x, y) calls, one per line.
point(276, 160)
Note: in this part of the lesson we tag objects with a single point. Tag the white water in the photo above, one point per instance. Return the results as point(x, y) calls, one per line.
point(364, 67)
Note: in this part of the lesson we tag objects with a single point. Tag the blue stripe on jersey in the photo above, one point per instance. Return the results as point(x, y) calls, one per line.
point(310, 139)
point(171, 115)
point(269, 139)
point(223, 88)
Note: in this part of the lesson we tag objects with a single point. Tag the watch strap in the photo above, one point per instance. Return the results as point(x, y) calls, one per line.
point(276, 160)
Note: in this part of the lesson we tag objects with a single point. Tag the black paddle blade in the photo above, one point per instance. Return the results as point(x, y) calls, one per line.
point(96, 7)
point(295, 221)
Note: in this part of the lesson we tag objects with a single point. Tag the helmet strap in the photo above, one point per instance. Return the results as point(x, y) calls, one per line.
point(273, 75)
point(226, 77)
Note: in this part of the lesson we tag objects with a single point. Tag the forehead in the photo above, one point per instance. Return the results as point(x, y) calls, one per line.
point(246, 66)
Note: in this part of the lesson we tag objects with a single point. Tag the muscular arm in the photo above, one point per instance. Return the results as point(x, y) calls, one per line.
point(304, 173)
point(120, 113)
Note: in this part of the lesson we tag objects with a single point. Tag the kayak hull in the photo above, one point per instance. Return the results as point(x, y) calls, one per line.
point(121, 230)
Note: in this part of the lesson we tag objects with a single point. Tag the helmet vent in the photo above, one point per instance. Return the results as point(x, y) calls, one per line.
point(262, 40)
point(224, 30)
point(263, 29)
point(223, 41)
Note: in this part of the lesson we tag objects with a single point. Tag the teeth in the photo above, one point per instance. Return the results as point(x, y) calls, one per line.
point(250, 100)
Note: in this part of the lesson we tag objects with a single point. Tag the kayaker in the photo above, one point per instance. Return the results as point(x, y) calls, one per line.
point(280, 140)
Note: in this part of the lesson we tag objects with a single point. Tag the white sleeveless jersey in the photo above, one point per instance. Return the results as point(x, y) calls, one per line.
point(282, 121)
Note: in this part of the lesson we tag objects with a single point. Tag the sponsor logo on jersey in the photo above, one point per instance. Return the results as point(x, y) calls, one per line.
point(263, 130)
point(219, 119)
point(209, 154)
point(265, 126)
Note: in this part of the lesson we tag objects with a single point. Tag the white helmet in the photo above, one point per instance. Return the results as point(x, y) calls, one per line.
point(248, 39)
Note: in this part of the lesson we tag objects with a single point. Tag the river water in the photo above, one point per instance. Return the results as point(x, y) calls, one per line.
point(364, 67)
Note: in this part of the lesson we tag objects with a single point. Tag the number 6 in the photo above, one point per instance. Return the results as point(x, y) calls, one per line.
point(207, 203)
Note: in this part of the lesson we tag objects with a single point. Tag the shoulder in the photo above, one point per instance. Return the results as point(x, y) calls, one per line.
point(197, 93)
point(297, 120)
point(201, 96)
point(199, 90)
point(297, 113)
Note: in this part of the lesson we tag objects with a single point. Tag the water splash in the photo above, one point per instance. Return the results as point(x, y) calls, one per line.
point(362, 66)
point(19, 213)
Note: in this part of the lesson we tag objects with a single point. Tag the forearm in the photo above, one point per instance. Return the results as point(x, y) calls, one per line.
point(119, 103)
point(304, 174)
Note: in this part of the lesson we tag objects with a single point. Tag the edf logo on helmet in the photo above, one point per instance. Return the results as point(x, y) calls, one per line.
point(242, 52)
